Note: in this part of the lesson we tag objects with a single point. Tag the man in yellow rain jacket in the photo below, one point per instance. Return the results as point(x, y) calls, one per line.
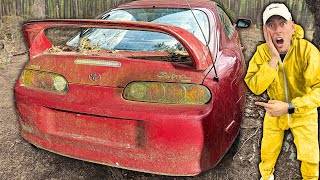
point(288, 67)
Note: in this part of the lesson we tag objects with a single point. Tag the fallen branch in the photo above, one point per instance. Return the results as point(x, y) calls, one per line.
point(19, 54)
point(245, 143)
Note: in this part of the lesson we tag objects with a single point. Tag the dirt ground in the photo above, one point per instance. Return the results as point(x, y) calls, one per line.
point(20, 160)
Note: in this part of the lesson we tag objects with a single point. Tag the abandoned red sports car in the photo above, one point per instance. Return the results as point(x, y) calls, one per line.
point(152, 86)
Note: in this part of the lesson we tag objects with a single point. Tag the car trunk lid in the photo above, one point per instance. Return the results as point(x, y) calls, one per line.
point(115, 69)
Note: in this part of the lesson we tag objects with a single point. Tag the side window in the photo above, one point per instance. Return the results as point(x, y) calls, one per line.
point(226, 22)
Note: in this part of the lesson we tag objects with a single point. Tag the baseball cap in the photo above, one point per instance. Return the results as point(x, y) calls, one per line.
point(276, 9)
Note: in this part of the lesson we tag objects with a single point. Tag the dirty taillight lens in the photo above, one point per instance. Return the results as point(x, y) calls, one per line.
point(167, 93)
point(45, 81)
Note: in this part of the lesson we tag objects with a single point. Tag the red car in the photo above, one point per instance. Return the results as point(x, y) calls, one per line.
point(152, 86)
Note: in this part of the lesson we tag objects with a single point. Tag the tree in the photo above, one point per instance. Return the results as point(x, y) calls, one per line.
point(38, 9)
point(314, 6)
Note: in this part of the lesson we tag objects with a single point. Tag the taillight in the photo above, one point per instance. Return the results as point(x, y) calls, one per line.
point(45, 81)
point(167, 93)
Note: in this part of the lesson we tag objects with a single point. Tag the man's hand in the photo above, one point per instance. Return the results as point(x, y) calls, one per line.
point(274, 108)
point(275, 56)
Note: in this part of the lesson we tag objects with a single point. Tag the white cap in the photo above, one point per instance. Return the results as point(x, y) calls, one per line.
point(276, 9)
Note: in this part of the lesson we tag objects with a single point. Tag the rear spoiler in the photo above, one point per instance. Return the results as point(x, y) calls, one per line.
point(38, 42)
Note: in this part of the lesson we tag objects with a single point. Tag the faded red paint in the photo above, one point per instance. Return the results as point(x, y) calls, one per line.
point(95, 123)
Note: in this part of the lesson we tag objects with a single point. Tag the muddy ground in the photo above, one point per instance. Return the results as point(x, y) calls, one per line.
point(20, 160)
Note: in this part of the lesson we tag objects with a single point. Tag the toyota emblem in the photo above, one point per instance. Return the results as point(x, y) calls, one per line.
point(94, 77)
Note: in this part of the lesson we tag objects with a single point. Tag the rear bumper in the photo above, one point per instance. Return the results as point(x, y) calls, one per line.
point(130, 144)
point(154, 138)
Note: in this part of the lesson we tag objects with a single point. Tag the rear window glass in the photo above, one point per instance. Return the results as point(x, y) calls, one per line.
point(138, 44)
point(129, 40)
point(195, 21)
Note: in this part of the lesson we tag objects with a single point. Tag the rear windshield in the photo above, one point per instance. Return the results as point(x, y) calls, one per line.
point(195, 21)
point(129, 40)
point(133, 40)
point(138, 44)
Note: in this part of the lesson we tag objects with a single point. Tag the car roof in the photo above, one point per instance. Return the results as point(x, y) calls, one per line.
point(172, 4)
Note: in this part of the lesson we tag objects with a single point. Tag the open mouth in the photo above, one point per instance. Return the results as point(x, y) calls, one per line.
point(279, 40)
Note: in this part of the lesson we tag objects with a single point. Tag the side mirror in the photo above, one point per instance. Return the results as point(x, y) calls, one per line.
point(243, 23)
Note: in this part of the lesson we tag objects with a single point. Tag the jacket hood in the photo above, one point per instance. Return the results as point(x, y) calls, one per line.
point(298, 32)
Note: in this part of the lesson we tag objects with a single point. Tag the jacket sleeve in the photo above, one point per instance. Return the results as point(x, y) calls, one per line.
point(311, 100)
point(260, 75)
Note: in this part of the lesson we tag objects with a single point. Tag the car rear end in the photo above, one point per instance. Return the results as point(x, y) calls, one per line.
point(139, 110)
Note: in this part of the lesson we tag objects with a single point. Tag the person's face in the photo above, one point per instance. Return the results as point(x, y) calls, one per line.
point(281, 32)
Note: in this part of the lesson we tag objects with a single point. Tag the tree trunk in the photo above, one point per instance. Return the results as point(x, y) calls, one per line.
point(38, 9)
point(314, 6)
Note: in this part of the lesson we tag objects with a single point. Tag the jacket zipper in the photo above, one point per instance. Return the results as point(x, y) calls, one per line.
point(285, 83)
point(286, 89)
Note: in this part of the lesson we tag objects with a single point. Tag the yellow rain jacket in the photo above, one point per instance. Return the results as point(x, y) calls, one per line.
point(296, 79)
point(300, 69)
